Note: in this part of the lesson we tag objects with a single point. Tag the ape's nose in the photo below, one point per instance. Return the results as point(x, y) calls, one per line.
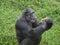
point(33, 18)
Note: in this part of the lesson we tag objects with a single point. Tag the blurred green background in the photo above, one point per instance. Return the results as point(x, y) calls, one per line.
point(10, 10)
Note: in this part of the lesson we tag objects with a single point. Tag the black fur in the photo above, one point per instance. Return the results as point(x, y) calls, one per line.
point(28, 32)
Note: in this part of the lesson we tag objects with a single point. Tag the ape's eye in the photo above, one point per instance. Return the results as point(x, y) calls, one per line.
point(28, 14)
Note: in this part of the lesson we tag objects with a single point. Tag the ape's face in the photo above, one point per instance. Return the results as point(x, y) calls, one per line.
point(29, 15)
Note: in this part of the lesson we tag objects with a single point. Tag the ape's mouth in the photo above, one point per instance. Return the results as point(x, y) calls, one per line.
point(33, 20)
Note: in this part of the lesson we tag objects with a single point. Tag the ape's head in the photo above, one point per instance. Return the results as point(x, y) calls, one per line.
point(29, 15)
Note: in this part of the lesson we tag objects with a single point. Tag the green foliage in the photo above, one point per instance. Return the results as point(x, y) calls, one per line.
point(10, 10)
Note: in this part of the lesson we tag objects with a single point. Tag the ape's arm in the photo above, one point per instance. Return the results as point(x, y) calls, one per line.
point(27, 31)
point(48, 21)
point(43, 26)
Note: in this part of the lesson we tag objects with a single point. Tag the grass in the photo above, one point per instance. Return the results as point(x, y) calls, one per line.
point(10, 10)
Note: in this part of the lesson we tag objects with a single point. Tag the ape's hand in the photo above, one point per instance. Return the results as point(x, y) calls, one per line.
point(48, 21)
point(43, 20)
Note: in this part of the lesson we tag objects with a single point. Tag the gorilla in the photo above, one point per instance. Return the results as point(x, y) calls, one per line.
point(28, 30)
